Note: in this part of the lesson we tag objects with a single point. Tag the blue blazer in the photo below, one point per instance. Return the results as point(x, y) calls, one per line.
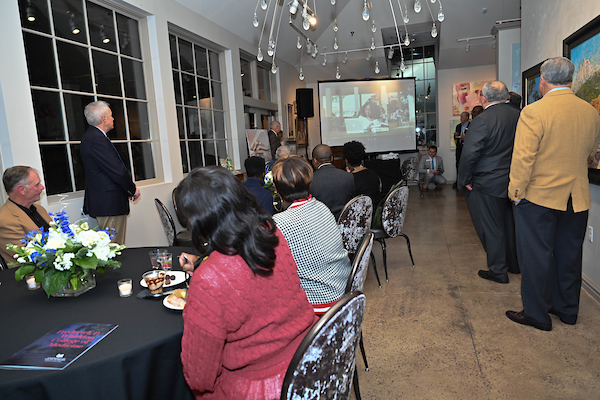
point(108, 183)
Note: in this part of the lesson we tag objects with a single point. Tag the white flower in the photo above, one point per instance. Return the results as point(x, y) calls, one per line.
point(56, 240)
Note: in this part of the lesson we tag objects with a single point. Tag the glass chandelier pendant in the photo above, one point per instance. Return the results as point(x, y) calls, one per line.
point(335, 44)
point(259, 56)
point(402, 65)
point(418, 6)
point(305, 24)
point(270, 50)
point(298, 44)
point(324, 60)
point(263, 5)
point(365, 13)
point(377, 70)
point(372, 43)
point(335, 26)
point(345, 58)
point(337, 73)
point(255, 21)
point(333, 2)
point(441, 15)
point(301, 76)
point(406, 40)
point(405, 16)
point(432, 1)
point(434, 31)
point(373, 27)
point(273, 69)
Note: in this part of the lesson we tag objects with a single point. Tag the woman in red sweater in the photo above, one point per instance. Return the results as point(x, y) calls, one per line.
point(246, 313)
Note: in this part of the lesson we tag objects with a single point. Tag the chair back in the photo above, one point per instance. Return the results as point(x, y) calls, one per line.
point(323, 365)
point(180, 217)
point(357, 278)
point(355, 220)
point(3, 264)
point(167, 221)
point(394, 211)
point(410, 169)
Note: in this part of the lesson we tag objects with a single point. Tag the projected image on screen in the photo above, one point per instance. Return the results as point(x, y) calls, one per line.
point(379, 113)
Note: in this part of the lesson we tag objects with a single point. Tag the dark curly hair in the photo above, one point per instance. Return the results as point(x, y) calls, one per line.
point(354, 152)
point(223, 214)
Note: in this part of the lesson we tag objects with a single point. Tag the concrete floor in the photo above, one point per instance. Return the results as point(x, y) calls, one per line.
point(438, 331)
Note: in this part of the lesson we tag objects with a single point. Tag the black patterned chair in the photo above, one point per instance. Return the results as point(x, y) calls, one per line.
point(410, 171)
point(180, 217)
point(3, 264)
point(392, 221)
point(183, 238)
point(354, 221)
point(324, 365)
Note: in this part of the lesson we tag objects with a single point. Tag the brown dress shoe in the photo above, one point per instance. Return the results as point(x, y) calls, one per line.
point(520, 318)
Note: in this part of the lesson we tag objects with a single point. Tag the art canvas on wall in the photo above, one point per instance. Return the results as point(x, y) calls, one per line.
point(258, 143)
point(465, 96)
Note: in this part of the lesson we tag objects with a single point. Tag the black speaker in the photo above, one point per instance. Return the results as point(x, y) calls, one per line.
point(304, 100)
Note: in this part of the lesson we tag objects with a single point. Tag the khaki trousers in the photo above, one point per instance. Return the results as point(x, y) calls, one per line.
point(118, 222)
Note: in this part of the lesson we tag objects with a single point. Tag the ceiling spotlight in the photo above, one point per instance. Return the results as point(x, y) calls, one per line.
point(312, 20)
point(73, 23)
point(391, 53)
point(105, 39)
point(468, 46)
point(315, 51)
point(30, 12)
point(294, 7)
point(369, 56)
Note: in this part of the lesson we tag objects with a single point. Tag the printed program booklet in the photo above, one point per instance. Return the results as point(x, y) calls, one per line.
point(57, 349)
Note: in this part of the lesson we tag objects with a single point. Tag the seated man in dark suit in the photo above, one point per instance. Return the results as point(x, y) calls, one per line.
point(331, 186)
point(255, 168)
point(18, 215)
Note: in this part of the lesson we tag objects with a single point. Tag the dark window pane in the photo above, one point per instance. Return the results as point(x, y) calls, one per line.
point(207, 124)
point(264, 83)
point(106, 71)
point(123, 151)
point(215, 70)
point(185, 56)
point(139, 127)
point(34, 15)
point(75, 67)
point(201, 61)
point(173, 46)
point(222, 149)
point(39, 51)
point(177, 87)
point(76, 123)
point(209, 153)
point(102, 29)
point(219, 124)
point(246, 78)
point(143, 162)
point(78, 167)
point(204, 93)
point(181, 123)
point(48, 115)
point(195, 154)
point(55, 163)
point(129, 36)
point(189, 90)
point(184, 160)
point(69, 22)
point(119, 131)
point(192, 123)
point(133, 77)
point(217, 97)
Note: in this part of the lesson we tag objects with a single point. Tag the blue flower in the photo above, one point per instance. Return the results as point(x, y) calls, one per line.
point(34, 256)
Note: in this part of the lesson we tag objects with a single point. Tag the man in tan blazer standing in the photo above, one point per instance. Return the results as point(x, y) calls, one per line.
point(550, 189)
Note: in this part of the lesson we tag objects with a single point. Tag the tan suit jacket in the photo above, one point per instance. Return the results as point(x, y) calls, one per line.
point(554, 138)
point(14, 224)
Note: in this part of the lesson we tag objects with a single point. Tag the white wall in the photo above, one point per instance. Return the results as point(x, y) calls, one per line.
point(446, 78)
point(544, 26)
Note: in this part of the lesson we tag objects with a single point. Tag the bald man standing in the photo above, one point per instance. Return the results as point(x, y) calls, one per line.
point(331, 186)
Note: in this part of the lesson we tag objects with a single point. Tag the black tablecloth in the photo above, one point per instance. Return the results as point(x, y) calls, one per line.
point(138, 360)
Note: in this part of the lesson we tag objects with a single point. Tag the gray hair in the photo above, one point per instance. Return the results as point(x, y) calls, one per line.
point(282, 151)
point(94, 112)
point(495, 91)
point(558, 71)
point(17, 175)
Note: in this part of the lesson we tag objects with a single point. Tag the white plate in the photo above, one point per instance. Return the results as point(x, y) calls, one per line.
point(171, 306)
point(179, 278)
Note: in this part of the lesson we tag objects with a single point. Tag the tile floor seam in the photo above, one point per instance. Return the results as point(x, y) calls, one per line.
point(487, 394)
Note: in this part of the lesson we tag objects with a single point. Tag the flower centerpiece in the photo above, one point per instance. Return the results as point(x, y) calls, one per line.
point(66, 254)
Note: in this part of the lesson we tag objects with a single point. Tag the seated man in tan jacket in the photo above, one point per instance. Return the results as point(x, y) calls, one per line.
point(18, 215)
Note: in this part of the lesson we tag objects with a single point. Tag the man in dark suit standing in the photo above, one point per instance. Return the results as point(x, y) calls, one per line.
point(459, 138)
point(330, 185)
point(275, 136)
point(483, 171)
point(108, 184)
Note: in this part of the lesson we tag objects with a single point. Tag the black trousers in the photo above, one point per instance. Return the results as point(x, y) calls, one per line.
point(549, 246)
point(493, 222)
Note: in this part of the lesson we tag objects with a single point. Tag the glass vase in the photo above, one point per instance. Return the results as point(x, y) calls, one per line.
point(87, 282)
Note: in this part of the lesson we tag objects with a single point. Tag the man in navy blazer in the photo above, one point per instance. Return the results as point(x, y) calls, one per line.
point(108, 183)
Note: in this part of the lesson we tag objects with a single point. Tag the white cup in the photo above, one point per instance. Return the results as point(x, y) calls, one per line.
point(125, 287)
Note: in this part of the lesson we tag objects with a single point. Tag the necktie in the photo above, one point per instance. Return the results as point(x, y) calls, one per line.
point(432, 163)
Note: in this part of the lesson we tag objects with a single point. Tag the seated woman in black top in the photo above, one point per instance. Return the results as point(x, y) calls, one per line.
point(366, 181)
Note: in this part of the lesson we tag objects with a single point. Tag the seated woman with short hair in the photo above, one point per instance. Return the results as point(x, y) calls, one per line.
point(312, 234)
point(246, 313)
point(366, 181)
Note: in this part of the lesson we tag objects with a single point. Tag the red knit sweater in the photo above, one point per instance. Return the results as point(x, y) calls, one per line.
point(241, 329)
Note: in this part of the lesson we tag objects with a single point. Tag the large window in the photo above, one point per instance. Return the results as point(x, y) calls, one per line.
point(199, 100)
point(78, 52)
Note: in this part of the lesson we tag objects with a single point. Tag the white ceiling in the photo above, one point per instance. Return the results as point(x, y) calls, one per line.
point(463, 19)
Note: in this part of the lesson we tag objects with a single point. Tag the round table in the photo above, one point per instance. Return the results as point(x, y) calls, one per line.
point(140, 359)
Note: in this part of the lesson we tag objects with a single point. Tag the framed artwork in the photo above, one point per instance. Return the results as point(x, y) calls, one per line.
point(531, 83)
point(300, 133)
point(292, 147)
point(465, 96)
point(291, 122)
point(583, 48)
point(258, 143)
